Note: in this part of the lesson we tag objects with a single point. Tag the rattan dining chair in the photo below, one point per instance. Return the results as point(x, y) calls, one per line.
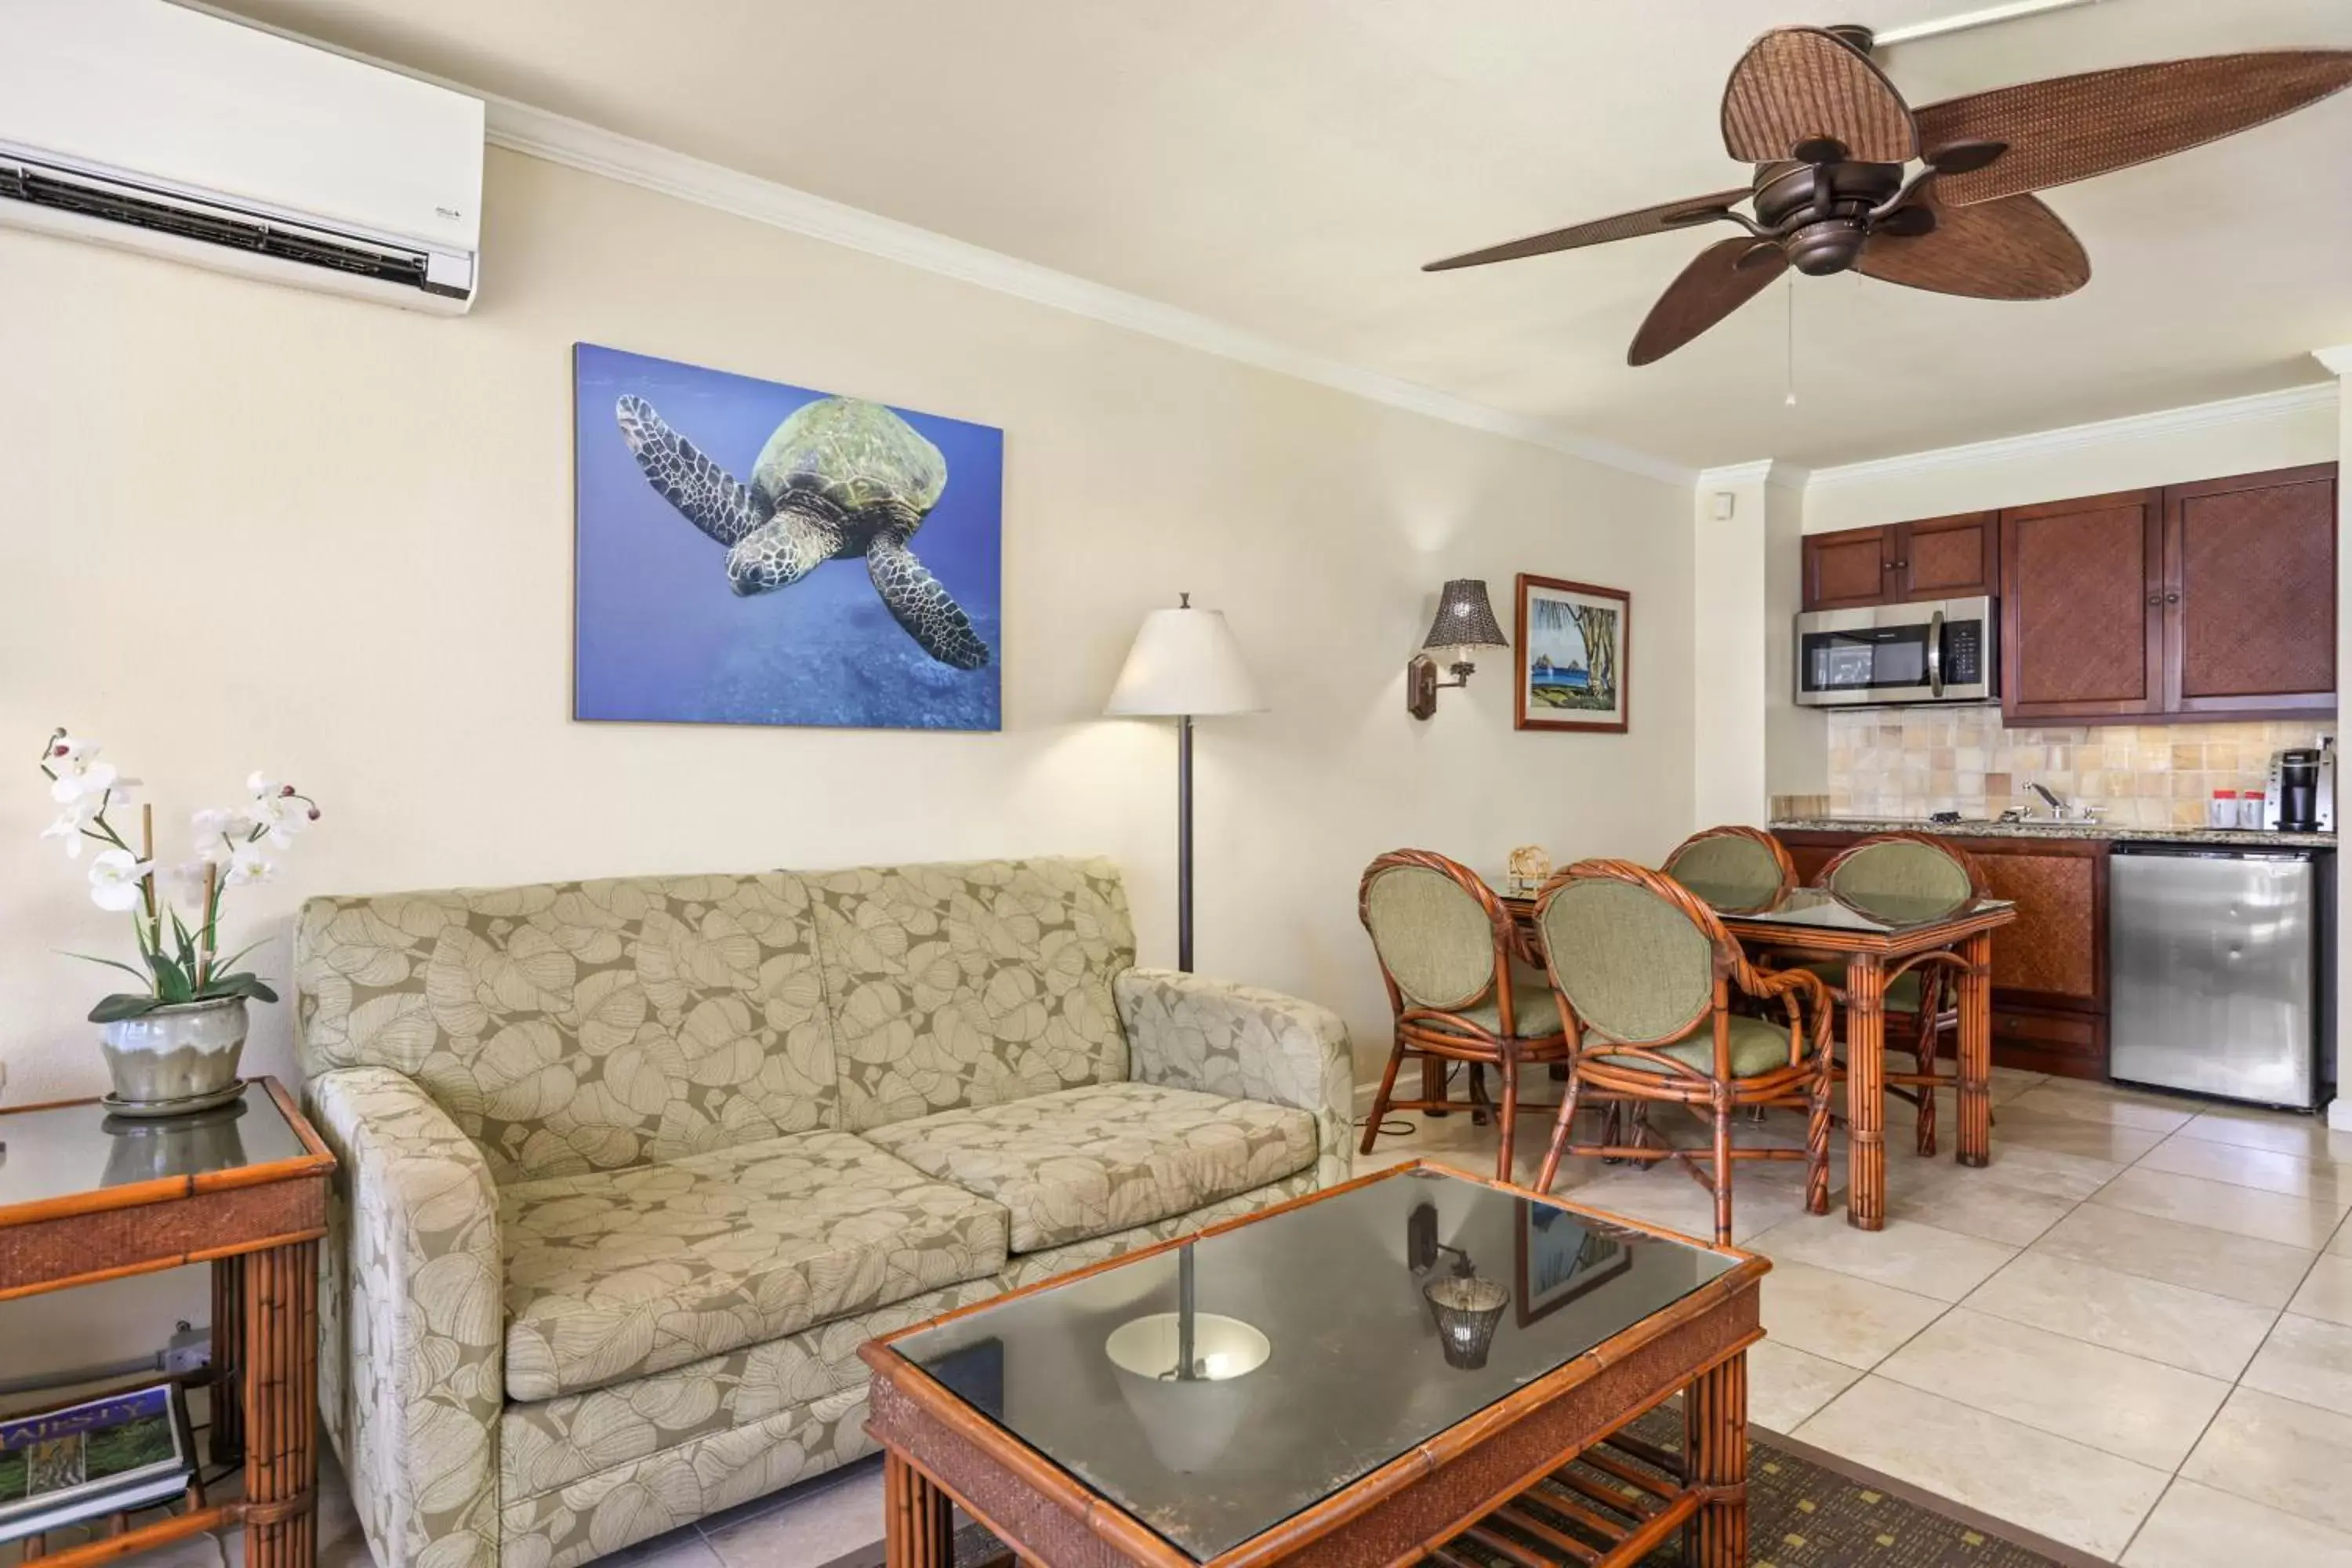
point(1908, 876)
point(1735, 871)
point(1645, 976)
point(1445, 946)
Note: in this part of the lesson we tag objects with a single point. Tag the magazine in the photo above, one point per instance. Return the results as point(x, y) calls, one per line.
point(104, 1456)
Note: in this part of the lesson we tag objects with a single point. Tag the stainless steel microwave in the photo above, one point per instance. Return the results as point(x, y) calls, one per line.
point(1939, 650)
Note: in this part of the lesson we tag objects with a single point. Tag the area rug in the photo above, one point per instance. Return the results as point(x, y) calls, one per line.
point(1807, 1509)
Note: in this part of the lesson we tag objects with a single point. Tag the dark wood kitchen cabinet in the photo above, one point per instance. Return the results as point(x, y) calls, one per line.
point(1936, 558)
point(2199, 601)
point(2082, 631)
point(2050, 968)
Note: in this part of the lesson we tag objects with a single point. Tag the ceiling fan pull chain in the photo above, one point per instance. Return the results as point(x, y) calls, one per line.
point(1790, 400)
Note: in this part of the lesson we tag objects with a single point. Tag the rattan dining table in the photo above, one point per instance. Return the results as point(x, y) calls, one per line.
point(1877, 948)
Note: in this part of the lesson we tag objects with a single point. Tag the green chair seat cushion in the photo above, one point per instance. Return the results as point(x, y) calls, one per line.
point(1757, 1046)
point(1534, 1011)
point(1902, 991)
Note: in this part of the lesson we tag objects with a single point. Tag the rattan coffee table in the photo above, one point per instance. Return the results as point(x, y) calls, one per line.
point(1341, 1410)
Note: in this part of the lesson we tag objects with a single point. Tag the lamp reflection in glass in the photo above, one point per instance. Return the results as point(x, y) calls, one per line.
point(1468, 1309)
point(1464, 621)
point(1184, 1375)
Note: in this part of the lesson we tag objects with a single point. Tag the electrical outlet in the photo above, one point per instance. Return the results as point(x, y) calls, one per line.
point(188, 1350)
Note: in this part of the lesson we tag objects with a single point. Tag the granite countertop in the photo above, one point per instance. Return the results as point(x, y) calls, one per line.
point(2234, 837)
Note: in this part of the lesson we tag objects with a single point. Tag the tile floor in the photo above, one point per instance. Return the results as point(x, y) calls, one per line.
point(2132, 1333)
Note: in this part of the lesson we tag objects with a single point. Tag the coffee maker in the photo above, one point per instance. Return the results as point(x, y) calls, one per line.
point(2302, 795)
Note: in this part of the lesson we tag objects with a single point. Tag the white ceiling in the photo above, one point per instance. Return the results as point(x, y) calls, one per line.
point(1286, 165)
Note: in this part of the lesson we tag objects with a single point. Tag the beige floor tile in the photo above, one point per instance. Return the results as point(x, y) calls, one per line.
point(2089, 1103)
point(2070, 1492)
point(2279, 1452)
point(2017, 1163)
point(2307, 1136)
point(1907, 1254)
point(1975, 1203)
point(2193, 1329)
point(2307, 1359)
point(812, 1528)
point(2320, 1181)
point(2238, 1211)
point(1827, 1313)
point(2342, 1245)
point(2134, 1408)
point(2197, 1526)
point(2008, 1083)
point(1785, 1385)
point(2327, 1292)
point(1664, 1196)
point(2014, 1125)
point(2242, 1267)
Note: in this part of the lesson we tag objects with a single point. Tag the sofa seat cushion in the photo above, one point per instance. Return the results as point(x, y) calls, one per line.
point(624, 1273)
point(1085, 1162)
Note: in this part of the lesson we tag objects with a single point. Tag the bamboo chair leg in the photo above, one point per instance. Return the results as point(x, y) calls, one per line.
point(1559, 1132)
point(1931, 1010)
point(1381, 1100)
point(1817, 1147)
point(1510, 1068)
point(1723, 1114)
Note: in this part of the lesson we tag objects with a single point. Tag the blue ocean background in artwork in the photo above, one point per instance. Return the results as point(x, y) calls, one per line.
point(659, 635)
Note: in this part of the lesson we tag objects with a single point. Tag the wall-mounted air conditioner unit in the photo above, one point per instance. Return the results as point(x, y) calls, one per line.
point(141, 124)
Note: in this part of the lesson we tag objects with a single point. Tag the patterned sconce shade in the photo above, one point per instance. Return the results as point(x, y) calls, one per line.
point(1468, 1310)
point(1465, 618)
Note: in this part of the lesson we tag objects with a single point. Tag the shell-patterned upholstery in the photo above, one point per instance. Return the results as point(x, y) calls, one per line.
point(629, 1168)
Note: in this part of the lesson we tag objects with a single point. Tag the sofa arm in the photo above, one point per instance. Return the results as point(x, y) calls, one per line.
point(411, 1321)
point(1185, 1032)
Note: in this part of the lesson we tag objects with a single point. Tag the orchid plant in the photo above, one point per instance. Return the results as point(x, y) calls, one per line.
point(179, 951)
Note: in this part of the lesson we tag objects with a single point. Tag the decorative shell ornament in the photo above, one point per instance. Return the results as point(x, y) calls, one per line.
point(1530, 867)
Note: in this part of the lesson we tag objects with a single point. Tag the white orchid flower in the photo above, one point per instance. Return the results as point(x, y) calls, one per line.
point(72, 749)
point(69, 827)
point(114, 880)
point(259, 784)
point(280, 817)
point(185, 882)
point(215, 821)
point(247, 865)
point(73, 783)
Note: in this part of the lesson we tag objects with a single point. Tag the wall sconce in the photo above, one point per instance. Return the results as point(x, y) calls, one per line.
point(1466, 1308)
point(1464, 621)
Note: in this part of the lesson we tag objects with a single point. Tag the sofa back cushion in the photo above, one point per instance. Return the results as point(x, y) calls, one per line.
point(970, 984)
point(576, 1026)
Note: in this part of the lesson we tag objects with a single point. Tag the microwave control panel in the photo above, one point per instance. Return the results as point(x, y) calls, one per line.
point(1964, 652)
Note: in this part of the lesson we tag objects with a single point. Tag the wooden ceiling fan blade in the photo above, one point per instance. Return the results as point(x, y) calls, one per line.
point(1624, 226)
point(1796, 85)
point(1719, 280)
point(2073, 127)
point(2016, 248)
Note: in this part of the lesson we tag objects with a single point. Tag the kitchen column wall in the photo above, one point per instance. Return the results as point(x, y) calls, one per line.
point(2338, 360)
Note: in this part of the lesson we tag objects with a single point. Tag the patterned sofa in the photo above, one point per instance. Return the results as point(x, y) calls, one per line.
point(629, 1169)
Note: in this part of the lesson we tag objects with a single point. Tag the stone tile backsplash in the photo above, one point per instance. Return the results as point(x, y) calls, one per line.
point(1910, 761)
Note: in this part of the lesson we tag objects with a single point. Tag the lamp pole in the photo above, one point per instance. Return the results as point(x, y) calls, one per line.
point(1184, 842)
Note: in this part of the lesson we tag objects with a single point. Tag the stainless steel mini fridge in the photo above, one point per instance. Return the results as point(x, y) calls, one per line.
point(2220, 968)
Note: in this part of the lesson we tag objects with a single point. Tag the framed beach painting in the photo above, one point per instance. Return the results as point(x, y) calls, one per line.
point(1561, 1257)
point(755, 553)
point(1572, 648)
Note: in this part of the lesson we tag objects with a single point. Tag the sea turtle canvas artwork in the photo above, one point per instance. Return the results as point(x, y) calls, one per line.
point(754, 552)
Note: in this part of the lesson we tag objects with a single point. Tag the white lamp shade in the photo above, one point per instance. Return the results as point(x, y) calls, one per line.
point(1184, 661)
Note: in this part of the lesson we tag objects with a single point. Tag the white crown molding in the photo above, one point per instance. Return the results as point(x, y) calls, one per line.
point(2260, 406)
point(559, 138)
point(1777, 472)
point(2338, 360)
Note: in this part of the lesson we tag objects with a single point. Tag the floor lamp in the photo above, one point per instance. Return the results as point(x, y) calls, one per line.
point(1184, 666)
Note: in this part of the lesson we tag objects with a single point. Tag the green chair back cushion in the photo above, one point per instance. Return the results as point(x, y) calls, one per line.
point(1432, 936)
point(1901, 881)
point(1730, 872)
point(1634, 967)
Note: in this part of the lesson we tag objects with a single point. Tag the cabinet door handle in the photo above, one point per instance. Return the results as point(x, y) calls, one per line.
point(2156, 598)
point(2172, 598)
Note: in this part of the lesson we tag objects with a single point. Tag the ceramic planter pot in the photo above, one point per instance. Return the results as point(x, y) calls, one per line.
point(174, 1060)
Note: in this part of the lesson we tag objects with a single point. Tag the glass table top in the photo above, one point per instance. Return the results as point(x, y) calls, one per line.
point(63, 1150)
point(1319, 1347)
point(1815, 909)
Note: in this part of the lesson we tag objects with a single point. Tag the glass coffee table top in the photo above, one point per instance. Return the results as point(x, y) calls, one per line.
point(1813, 908)
point(60, 1151)
point(1320, 1350)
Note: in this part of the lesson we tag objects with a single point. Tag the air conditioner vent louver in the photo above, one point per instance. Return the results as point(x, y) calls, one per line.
point(123, 204)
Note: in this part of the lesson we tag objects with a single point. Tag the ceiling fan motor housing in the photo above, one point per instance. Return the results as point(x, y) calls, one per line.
point(1820, 212)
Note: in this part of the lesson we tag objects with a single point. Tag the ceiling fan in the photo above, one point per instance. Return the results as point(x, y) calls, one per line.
point(1833, 145)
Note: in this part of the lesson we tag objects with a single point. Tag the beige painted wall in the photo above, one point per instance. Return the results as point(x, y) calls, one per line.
point(352, 526)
